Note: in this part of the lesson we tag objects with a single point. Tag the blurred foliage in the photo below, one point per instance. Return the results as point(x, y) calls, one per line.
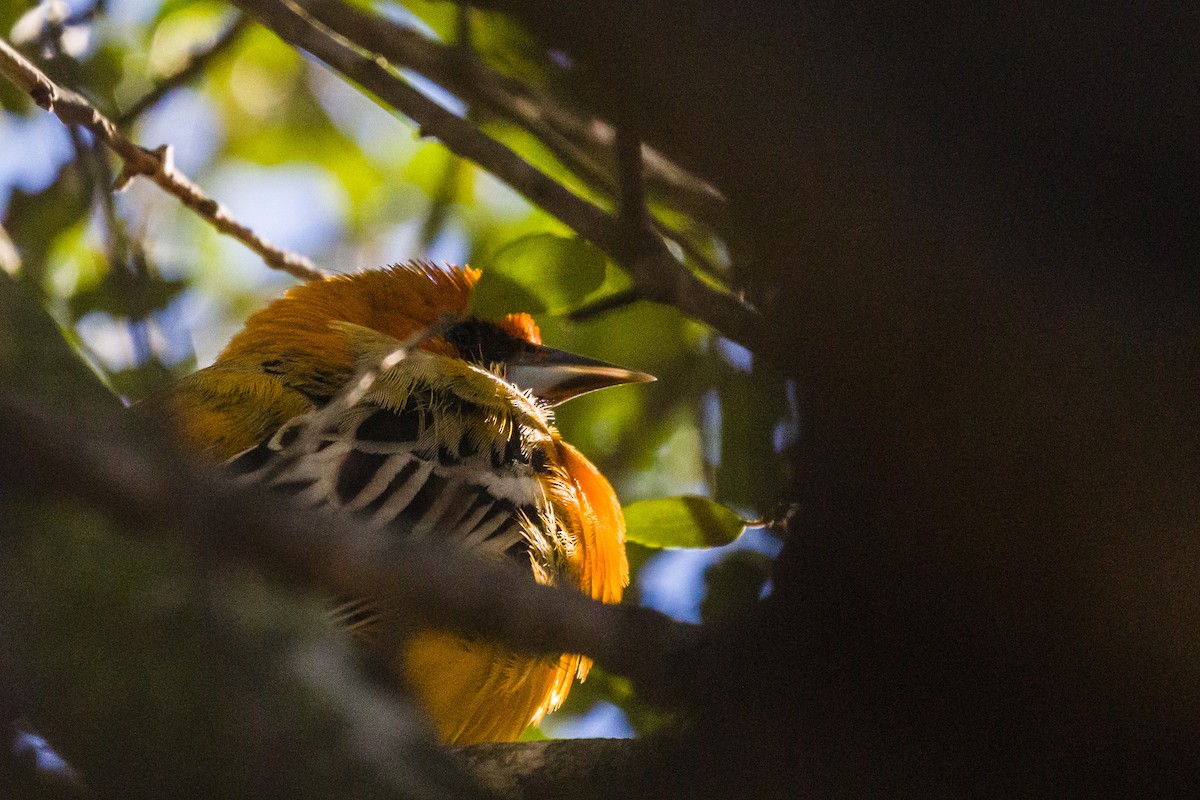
point(40, 366)
point(226, 658)
point(734, 585)
point(317, 166)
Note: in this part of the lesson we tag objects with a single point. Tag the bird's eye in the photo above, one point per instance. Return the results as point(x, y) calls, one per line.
point(481, 342)
point(466, 340)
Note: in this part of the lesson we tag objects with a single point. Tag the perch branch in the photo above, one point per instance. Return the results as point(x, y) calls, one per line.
point(558, 768)
point(154, 489)
point(655, 272)
point(158, 165)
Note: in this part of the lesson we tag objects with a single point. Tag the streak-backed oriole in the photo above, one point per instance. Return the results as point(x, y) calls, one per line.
point(456, 441)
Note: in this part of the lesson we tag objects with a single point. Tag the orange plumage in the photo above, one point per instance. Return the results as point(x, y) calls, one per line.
point(442, 444)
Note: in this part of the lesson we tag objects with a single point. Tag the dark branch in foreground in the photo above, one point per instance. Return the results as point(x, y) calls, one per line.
point(558, 768)
point(155, 490)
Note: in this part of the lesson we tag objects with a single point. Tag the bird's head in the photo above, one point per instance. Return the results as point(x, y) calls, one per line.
point(512, 346)
point(299, 332)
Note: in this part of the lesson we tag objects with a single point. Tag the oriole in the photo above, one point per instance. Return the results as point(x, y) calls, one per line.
point(455, 441)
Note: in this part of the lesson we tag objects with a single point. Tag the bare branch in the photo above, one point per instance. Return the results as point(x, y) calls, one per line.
point(584, 145)
point(605, 304)
point(462, 24)
point(158, 165)
point(290, 22)
point(655, 272)
point(630, 170)
point(692, 251)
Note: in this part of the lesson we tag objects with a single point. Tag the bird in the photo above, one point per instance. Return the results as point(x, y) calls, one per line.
point(453, 440)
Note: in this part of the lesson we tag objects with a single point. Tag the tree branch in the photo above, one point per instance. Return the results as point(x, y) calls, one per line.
point(632, 208)
point(605, 304)
point(158, 165)
point(553, 769)
point(155, 490)
point(583, 144)
point(655, 272)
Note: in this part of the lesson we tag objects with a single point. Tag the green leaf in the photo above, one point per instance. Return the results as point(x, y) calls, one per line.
point(505, 46)
point(687, 521)
point(35, 361)
point(533, 734)
point(36, 220)
point(123, 295)
point(138, 382)
point(15, 100)
point(541, 272)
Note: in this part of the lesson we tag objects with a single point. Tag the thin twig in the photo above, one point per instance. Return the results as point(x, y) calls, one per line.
point(605, 305)
point(319, 422)
point(629, 172)
point(655, 272)
point(289, 21)
point(158, 165)
point(195, 65)
point(89, 155)
point(462, 24)
point(126, 259)
point(440, 205)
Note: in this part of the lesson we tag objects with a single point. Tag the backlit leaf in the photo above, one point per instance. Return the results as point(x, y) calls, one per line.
point(687, 521)
point(541, 272)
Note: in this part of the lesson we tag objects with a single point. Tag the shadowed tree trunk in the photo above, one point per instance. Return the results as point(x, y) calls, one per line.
point(975, 234)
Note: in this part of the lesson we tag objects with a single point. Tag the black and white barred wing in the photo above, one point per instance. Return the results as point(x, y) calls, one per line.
point(421, 468)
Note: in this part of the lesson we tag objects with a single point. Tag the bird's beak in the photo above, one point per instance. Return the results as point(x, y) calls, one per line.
point(556, 376)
